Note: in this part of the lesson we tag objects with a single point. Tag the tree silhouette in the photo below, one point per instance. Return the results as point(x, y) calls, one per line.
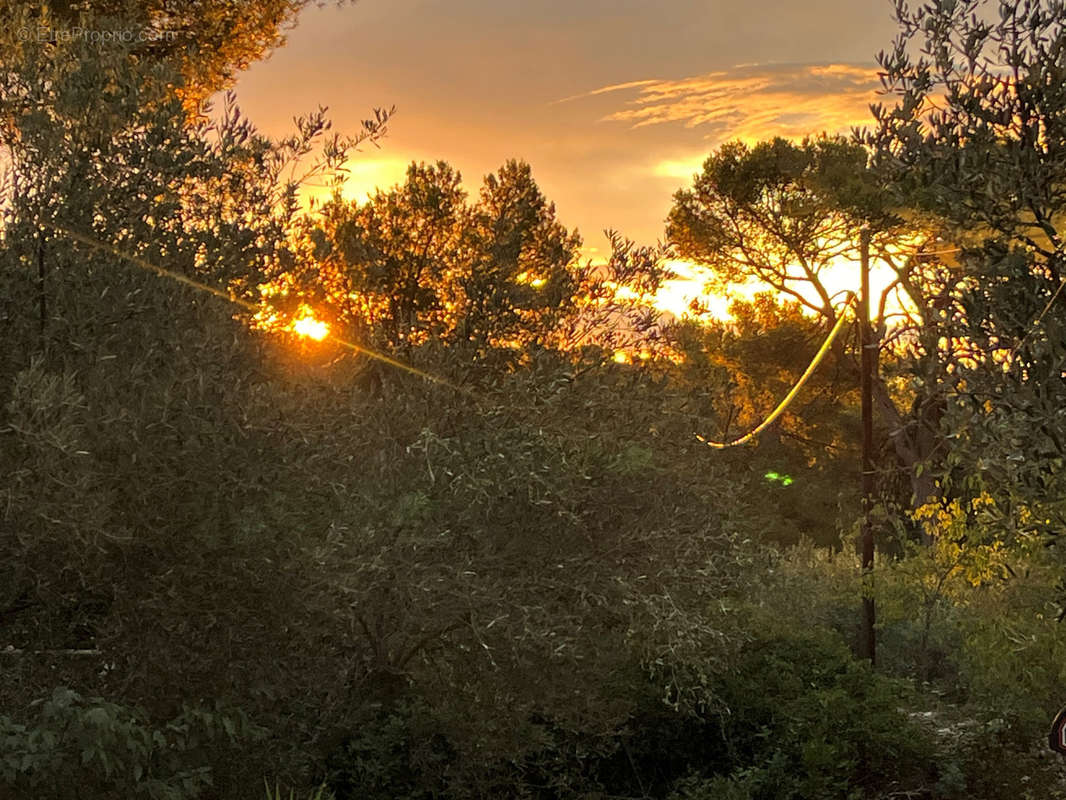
point(419, 262)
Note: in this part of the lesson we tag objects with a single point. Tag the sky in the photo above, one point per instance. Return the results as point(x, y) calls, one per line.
point(614, 103)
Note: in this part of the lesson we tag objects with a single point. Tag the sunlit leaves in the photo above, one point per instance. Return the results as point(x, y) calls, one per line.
point(772, 213)
point(422, 262)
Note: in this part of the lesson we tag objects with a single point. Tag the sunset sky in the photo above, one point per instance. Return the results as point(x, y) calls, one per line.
point(614, 103)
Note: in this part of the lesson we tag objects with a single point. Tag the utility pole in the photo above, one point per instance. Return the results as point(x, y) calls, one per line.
point(868, 640)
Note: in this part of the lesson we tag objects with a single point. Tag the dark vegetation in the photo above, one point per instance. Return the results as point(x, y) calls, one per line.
point(473, 550)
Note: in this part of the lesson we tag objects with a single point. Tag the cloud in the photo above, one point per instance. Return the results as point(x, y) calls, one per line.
point(753, 102)
point(605, 90)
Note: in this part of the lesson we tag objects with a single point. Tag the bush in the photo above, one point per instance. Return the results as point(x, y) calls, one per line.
point(110, 750)
point(805, 720)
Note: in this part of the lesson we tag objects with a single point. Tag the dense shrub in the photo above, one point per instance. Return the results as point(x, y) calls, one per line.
point(108, 750)
point(802, 719)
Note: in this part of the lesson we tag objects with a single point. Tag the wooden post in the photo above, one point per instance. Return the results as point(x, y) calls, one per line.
point(868, 639)
point(41, 288)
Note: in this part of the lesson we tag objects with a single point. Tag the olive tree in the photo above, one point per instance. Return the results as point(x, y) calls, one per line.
point(976, 135)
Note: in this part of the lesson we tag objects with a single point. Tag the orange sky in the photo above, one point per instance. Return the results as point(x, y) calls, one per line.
point(614, 103)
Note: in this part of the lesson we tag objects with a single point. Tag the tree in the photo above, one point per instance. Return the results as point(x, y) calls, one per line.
point(143, 469)
point(388, 267)
point(220, 522)
point(419, 263)
point(523, 279)
point(978, 136)
point(206, 44)
point(784, 215)
point(769, 214)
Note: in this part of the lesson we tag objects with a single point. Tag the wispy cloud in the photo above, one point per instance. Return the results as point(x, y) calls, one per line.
point(606, 90)
point(755, 101)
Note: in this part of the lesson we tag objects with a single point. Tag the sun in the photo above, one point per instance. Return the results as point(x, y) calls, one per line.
point(307, 325)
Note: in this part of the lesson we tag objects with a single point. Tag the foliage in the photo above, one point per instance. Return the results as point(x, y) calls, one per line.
point(974, 620)
point(784, 216)
point(320, 793)
point(977, 138)
point(480, 562)
point(501, 565)
point(184, 496)
point(979, 611)
point(106, 748)
point(979, 651)
point(976, 133)
point(205, 45)
point(489, 279)
point(744, 367)
point(803, 720)
point(146, 491)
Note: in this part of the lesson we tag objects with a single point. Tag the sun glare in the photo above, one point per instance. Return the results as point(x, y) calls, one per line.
point(307, 325)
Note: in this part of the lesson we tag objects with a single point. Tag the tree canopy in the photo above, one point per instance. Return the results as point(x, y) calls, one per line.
point(203, 44)
point(977, 138)
point(419, 262)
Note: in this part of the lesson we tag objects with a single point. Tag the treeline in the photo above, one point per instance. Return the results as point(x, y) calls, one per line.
point(469, 546)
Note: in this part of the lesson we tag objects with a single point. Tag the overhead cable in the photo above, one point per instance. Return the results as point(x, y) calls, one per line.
point(777, 412)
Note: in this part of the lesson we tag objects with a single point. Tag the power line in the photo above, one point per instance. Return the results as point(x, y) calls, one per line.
point(777, 412)
point(914, 253)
